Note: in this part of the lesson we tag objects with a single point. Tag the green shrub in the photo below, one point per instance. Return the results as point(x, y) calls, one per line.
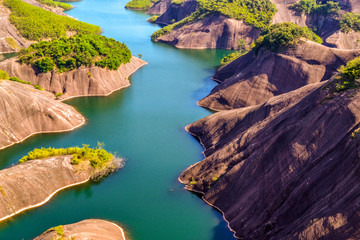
point(16, 79)
point(35, 23)
point(52, 3)
point(66, 54)
point(195, 16)
point(58, 94)
point(350, 21)
point(284, 35)
point(177, 2)
point(4, 75)
point(97, 157)
point(140, 4)
point(316, 6)
point(152, 19)
point(231, 57)
point(349, 76)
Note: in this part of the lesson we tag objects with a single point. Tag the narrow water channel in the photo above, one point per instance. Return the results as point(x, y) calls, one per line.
point(143, 123)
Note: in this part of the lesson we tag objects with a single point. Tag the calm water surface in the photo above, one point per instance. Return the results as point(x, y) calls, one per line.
point(143, 123)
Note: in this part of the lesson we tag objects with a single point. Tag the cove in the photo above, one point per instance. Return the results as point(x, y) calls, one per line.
point(143, 123)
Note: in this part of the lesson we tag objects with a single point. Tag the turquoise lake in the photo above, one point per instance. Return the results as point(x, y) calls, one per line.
point(144, 123)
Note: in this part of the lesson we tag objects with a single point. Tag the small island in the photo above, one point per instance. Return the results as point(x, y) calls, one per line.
point(44, 172)
point(96, 229)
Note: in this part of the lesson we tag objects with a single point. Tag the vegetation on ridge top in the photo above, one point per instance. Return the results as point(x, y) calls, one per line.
point(35, 23)
point(140, 4)
point(257, 13)
point(66, 54)
point(316, 7)
point(284, 35)
point(52, 3)
point(350, 21)
point(349, 75)
point(97, 157)
point(5, 76)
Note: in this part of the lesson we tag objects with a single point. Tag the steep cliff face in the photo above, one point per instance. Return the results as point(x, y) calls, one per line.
point(286, 169)
point(254, 78)
point(85, 81)
point(94, 229)
point(10, 38)
point(25, 111)
point(214, 31)
point(159, 7)
point(284, 14)
point(176, 12)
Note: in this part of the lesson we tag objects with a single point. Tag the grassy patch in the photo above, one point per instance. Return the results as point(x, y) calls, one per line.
point(35, 23)
point(52, 3)
point(12, 43)
point(140, 4)
point(66, 54)
point(97, 157)
point(177, 2)
point(152, 19)
point(283, 35)
point(5, 76)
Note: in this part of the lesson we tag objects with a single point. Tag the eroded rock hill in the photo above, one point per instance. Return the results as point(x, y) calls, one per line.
point(214, 31)
point(286, 169)
point(94, 229)
point(159, 7)
point(34, 182)
point(254, 78)
point(84, 81)
point(25, 111)
point(175, 12)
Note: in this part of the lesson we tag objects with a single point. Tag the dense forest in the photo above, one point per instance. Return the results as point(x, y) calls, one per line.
point(66, 54)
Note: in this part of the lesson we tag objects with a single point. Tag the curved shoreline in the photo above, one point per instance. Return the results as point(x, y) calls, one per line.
point(43, 202)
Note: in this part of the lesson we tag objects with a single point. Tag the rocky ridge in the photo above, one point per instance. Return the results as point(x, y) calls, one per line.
point(25, 111)
point(285, 169)
point(84, 81)
point(256, 77)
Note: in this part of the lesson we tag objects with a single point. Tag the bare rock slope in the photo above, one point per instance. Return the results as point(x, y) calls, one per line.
point(33, 183)
point(254, 78)
point(10, 38)
point(175, 12)
point(94, 229)
point(25, 111)
point(214, 31)
point(85, 81)
point(286, 169)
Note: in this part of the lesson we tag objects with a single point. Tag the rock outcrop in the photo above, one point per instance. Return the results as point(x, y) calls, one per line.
point(25, 111)
point(84, 81)
point(254, 78)
point(213, 31)
point(175, 13)
point(286, 169)
point(10, 38)
point(94, 229)
point(159, 7)
point(33, 183)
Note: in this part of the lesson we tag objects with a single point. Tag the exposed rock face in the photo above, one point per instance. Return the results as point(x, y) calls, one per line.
point(25, 111)
point(284, 14)
point(9, 34)
point(176, 12)
point(159, 7)
point(286, 169)
point(214, 31)
point(253, 79)
point(85, 81)
point(34, 182)
point(344, 40)
point(94, 229)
